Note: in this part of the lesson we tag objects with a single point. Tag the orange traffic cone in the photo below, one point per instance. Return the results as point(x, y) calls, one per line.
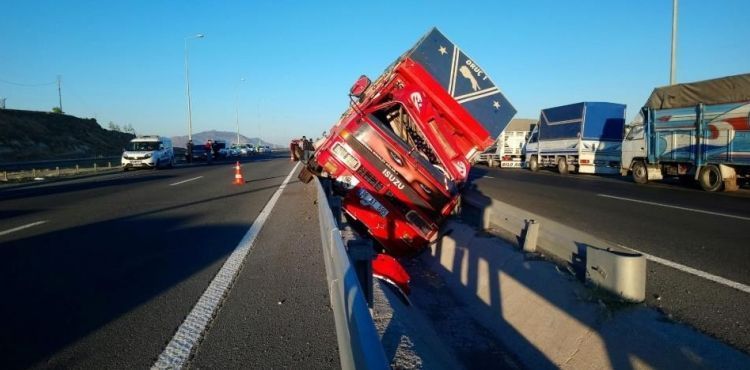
point(238, 179)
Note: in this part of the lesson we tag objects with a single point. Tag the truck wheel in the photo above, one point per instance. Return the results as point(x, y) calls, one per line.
point(534, 163)
point(640, 173)
point(562, 166)
point(710, 178)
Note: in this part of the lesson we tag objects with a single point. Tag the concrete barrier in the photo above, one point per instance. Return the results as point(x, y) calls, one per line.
point(615, 269)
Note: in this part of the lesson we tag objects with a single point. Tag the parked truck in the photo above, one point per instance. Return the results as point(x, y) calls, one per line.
point(399, 155)
point(583, 137)
point(694, 131)
point(508, 149)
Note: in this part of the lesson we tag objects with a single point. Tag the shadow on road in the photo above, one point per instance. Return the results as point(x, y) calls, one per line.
point(504, 290)
point(72, 295)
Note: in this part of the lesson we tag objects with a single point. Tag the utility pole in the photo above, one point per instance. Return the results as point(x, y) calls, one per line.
point(673, 63)
point(59, 93)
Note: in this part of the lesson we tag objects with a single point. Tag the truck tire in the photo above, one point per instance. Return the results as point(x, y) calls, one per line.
point(640, 172)
point(710, 178)
point(562, 166)
point(534, 163)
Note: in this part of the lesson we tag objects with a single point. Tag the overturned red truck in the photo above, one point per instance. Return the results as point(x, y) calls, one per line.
point(400, 154)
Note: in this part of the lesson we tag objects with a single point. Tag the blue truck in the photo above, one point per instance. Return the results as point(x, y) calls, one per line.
point(696, 131)
point(583, 137)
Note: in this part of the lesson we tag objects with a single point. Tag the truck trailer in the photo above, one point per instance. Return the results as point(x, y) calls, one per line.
point(583, 137)
point(401, 152)
point(508, 149)
point(696, 131)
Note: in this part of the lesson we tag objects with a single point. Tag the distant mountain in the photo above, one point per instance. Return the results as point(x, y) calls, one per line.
point(229, 137)
point(29, 135)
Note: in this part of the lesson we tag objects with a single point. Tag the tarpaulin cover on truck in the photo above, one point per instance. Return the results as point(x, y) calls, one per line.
point(731, 89)
point(464, 80)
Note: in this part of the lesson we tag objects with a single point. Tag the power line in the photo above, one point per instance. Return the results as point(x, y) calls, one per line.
point(27, 85)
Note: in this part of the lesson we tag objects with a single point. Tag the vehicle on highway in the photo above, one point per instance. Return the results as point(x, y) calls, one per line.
point(583, 137)
point(400, 153)
point(508, 149)
point(199, 153)
point(240, 150)
point(150, 151)
point(695, 131)
point(220, 149)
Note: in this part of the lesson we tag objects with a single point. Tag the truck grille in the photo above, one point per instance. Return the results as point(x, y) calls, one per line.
point(370, 178)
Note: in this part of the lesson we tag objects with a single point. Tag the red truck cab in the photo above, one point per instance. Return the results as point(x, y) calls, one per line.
point(402, 151)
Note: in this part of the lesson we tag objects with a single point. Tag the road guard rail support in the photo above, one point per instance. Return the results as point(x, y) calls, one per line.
point(52, 163)
point(358, 340)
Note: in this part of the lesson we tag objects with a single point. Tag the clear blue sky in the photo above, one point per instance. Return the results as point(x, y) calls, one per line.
point(123, 61)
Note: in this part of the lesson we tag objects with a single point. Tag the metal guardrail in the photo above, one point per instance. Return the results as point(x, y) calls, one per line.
point(616, 269)
point(358, 340)
point(83, 162)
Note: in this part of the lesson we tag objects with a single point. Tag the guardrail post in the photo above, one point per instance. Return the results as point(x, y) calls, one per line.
point(33, 172)
point(486, 217)
point(620, 272)
point(76, 169)
point(531, 236)
point(57, 170)
point(362, 253)
point(5, 175)
point(94, 166)
point(109, 164)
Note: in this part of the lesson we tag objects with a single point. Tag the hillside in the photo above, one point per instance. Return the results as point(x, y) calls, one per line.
point(229, 137)
point(30, 135)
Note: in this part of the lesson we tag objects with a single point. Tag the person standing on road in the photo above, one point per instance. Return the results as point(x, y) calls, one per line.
point(209, 151)
point(309, 149)
point(190, 151)
point(215, 150)
point(303, 147)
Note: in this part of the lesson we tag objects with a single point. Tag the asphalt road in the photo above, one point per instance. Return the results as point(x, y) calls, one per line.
point(100, 272)
point(681, 224)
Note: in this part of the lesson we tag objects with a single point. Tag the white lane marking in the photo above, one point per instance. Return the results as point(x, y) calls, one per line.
point(184, 181)
point(6, 232)
point(676, 207)
point(487, 177)
point(190, 332)
point(696, 272)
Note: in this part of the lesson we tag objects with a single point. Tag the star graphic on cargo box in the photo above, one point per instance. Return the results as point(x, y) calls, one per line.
point(443, 50)
point(496, 104)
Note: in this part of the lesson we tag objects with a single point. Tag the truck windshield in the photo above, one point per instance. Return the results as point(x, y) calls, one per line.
point(400, 130)
point(142, 146)
point(635, 133)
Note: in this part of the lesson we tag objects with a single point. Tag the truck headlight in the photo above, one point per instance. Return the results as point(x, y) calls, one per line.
point(344, 156)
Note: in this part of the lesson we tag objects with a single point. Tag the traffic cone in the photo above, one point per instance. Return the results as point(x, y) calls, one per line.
point(238, 179)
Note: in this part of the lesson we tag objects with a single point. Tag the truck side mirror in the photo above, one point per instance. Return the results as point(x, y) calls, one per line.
point(359, 87)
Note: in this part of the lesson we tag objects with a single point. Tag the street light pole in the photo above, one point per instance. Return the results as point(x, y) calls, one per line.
point(673, 63)
point(187, 83)
point(237, 107)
